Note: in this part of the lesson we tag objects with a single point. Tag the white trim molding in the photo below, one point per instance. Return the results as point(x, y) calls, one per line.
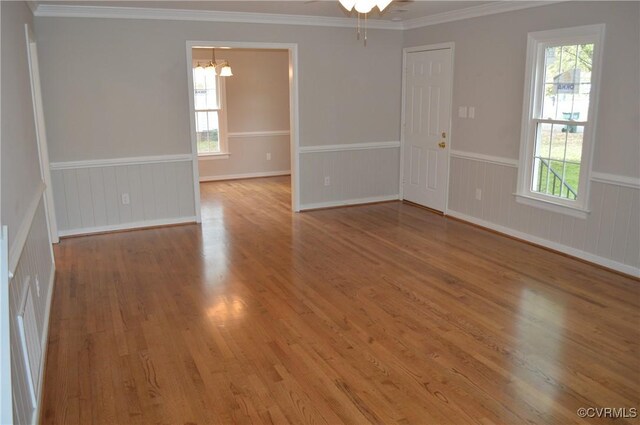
point(294, 113)
point(120, 161)
point(15, 251)
point(74, 11)
point(614, 179)
point(349, 202)
point(532, 117)
point(43, 343)
point(244, 176)
point(573, 252)
point(109, 12)
point(6, 389)
point(349, 147)
point(213, 156)
point(249, 134)
point(499, 160)
point(552, 206)
point(473, 12)
point(140, 225)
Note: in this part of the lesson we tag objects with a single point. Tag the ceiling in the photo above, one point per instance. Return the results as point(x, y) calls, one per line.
point(399, 10)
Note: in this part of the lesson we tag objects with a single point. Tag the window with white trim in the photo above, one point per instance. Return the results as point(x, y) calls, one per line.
point(208, 103)
point(560, 101)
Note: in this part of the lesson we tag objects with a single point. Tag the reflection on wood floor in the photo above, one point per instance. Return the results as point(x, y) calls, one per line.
point(381, 314)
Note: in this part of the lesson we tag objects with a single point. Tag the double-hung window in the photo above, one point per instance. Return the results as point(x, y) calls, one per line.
point(208, 102)
point(558, 124)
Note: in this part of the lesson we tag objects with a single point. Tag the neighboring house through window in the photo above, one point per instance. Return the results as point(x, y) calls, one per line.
point(558, 126)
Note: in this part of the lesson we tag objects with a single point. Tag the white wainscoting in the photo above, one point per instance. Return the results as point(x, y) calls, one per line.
point(359, 173)
point(88, 194)
point(609, 236)
point(33, 274)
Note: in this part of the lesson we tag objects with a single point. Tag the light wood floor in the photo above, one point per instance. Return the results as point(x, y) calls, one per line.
point(375, 314)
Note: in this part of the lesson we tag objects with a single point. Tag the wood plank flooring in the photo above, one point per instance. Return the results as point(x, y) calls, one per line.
point(378, 314)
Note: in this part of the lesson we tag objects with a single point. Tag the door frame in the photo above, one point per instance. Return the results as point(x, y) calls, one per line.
point(41, 133)
point(294, 116)
point(425, 48)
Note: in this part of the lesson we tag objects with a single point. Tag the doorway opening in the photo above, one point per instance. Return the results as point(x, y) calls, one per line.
point(243, 101)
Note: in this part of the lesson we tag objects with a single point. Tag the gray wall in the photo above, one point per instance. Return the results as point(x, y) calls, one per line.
point(19, 151)
point(23, 211)
point(348, 95)
point(490, 55)
point(257, 105)
point(117, 88)
point(489, 75)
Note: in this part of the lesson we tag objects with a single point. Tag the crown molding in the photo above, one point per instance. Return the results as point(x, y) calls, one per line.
point(71, 11)
point(473, 12)
point(109, 12)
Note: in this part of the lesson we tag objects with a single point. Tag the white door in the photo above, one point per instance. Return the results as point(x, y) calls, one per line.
point(427, 115)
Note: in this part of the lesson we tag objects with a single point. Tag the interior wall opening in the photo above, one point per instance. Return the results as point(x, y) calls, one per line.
point(242, 116)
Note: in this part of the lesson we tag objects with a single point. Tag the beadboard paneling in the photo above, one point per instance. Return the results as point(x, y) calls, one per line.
point(34, 268)
point(89, 198)
point(361, 175)
point(611, 231)
point(248, 156)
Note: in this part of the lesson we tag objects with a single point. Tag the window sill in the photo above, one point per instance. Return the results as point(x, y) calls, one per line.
point(549, 205)
point(212, 156)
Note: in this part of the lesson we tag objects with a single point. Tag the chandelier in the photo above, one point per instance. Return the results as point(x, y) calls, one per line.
point(225, 68)
point(363, 7)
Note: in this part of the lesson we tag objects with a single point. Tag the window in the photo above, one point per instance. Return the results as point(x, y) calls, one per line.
point(208, 100)
point(561, 91)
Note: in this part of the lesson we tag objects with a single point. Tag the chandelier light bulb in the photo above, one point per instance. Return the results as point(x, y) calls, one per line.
point(226, 71)
point(211, 68)
point(382, 4)
point(364, 6)
point(348, 4)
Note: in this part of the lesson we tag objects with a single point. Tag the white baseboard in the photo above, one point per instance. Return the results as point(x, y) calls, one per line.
point(44, 342)
point(348, 202)
point(592, 258)
point(127, 226)
point(244, 176)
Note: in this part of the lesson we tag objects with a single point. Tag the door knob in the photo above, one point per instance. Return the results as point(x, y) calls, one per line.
point(442, 145)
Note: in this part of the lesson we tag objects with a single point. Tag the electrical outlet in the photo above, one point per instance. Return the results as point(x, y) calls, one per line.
point(462, 112)
point(125, 199)
point(269, 156)
point(327, 180)
point(37, 286)
point(472, 112)
point(479, 194)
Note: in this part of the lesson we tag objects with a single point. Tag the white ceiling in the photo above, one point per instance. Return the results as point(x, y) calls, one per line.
point(399, 10)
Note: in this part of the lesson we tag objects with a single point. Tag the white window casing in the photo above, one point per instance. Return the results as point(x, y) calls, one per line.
point(532, 119)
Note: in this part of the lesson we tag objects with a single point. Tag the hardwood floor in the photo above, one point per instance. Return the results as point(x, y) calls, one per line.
point(379, 314)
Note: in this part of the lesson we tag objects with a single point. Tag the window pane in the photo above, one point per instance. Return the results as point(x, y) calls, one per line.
point(558, 154)
point(207, 132)
point(205, 91)
point(199, 78)
point(567, 82)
